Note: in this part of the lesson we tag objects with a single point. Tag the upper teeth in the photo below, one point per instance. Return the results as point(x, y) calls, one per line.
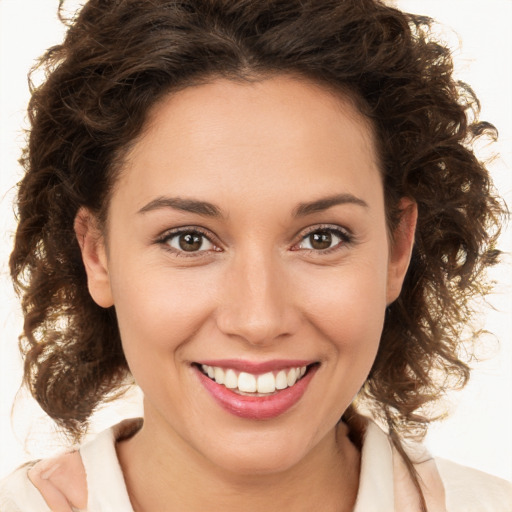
point(249, 383)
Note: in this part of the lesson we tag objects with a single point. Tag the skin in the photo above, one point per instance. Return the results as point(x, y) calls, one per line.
point(258, 290)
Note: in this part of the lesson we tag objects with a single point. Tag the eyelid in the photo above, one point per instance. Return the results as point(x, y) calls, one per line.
point(342, 232)
point(173, 232)
point(345, 234)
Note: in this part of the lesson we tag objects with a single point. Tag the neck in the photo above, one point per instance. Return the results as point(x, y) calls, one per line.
point(176, 477)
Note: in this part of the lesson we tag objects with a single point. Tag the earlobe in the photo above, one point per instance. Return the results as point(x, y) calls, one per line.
point(92, 245)
point(401, 248)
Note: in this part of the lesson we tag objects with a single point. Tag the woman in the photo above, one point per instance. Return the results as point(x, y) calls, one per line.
point(269, 216)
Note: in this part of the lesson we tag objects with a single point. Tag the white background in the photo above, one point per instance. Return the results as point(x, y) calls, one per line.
point(478, 432)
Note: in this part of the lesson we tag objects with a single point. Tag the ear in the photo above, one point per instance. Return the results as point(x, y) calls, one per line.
point(94, 255)
point(401, 248)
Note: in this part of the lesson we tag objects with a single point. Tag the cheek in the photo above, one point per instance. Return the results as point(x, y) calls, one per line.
point(350, 317)
point(347, 303)
point(160, 309)
point(344, 307)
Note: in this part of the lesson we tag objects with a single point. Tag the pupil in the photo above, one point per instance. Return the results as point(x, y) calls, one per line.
point(190, 242)
point(321, 240)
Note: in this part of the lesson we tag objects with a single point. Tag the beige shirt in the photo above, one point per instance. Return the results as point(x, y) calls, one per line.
point(384, 485)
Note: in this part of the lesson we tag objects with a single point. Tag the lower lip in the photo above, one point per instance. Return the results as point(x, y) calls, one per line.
point(257, 407)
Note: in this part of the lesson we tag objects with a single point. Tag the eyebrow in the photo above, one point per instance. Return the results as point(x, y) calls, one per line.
point(210, 210)
point(325, 203)
point(186, 205)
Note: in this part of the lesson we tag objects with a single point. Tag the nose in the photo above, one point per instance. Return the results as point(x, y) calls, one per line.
point(257, 301)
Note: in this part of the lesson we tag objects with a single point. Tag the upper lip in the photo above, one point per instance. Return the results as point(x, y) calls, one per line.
point(254, 367)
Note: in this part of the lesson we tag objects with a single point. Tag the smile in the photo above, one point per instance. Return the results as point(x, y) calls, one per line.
point(256, 391)
point(244, 382)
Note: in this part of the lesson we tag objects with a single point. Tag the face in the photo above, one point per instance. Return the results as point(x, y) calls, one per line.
point(248, 259)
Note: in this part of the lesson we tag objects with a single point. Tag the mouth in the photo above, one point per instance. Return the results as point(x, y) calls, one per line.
point(250, 384)
point(256, 391)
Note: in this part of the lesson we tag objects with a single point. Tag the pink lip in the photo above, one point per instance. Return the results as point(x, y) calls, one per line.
point(256, 407)
point(257, 368)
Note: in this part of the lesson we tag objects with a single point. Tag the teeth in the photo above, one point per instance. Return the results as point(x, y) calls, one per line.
point(219, 375)
point(291, 377)
point(247, 382)
point(281, 380)
point(266, 383)
point(230, 379)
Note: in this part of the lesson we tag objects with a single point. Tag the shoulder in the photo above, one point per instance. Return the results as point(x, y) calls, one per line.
point(58, 483)
point(18, 494)
point(446, 486)
point(71, 481)
point(471, 490)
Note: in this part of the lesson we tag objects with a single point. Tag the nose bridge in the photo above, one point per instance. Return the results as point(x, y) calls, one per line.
point(256, 306)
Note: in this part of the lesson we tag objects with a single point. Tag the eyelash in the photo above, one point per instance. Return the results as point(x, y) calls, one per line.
point(345, 237)
point(166, 238)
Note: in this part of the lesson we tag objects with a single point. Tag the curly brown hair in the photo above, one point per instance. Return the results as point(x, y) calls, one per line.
point(121, 56)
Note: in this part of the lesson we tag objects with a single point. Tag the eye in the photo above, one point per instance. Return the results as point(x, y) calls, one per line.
point(323, 239)
point(189, 241)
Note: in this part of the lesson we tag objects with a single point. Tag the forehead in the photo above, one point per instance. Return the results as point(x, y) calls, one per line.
point(226, 135)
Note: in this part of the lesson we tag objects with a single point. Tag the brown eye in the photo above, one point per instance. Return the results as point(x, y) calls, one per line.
point(320, 240)
point(189, 241)
point(323, 239)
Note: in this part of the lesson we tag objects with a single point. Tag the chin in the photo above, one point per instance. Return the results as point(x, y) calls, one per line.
point(260, 464)
point(260, 454)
